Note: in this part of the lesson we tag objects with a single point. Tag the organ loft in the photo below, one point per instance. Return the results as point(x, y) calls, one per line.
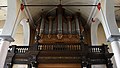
point(59, 34)
point(61, 37)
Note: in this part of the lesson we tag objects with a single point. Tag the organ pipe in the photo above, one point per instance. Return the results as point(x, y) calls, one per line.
point(69, 24)
point(59, 11)
point(77, 25)
point(60, 16)
point(50, 24)
point(42, 25)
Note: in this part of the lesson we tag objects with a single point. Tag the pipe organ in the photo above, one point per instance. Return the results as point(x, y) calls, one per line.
point(59, 41)
point(59, 27)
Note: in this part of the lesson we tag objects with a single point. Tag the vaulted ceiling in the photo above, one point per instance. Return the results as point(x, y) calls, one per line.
point(35, 11)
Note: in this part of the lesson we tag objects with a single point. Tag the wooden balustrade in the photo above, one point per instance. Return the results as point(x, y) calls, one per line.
point(96, 49)
point(60, 53)
point(19, 49)
point(59, 47)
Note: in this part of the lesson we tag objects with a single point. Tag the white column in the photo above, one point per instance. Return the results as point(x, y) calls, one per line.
point(116, 51)
point(11, 16)
point(113, 58)
point(8, 30)
point(3, 52)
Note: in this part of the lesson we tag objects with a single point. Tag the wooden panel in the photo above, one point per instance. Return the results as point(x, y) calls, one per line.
point(59, 66)
point(69, 39)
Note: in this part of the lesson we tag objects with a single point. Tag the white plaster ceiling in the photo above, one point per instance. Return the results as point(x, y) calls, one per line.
point(35, 11)
point(85, 11)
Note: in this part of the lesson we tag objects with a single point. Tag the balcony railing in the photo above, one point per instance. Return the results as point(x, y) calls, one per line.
point(18, 49)
point(96, 49)
point(60, 53)
point(58, 47)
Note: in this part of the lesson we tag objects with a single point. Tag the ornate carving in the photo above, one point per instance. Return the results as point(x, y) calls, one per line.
point(49, 36)
point(59, 36)
point(51, 39)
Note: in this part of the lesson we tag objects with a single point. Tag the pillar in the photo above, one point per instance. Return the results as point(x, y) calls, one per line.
point(8, 30)
point(116, 50)
point(107, 17)
point(3, 51)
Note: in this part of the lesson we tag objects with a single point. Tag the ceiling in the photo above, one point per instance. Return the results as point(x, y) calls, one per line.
point(35, 11)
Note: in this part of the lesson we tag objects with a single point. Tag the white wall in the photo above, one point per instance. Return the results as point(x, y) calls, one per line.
point(18, 36)
point(20, 66)
point(101, 35)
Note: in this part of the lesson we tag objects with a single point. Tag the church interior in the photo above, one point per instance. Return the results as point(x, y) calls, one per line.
point(59, 33)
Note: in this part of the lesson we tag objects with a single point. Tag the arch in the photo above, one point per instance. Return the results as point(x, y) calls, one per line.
point(95, 37)
point(22, 32)
point(26, 31)
point(94, 27)
point(94, 31)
